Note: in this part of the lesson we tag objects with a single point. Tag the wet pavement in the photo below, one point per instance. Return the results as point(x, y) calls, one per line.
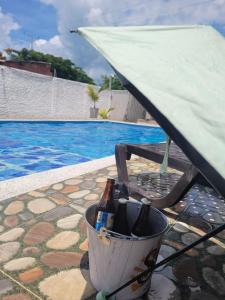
point(43, 245)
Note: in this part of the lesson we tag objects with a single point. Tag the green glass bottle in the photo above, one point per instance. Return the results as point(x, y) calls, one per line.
point(142, 227)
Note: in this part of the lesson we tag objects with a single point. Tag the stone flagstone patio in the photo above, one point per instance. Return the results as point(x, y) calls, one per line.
point(43, 245)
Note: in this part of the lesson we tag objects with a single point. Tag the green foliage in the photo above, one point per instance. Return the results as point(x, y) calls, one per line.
point(115, 83)
point(64, 68)
point(92, 94)
point(104, 113)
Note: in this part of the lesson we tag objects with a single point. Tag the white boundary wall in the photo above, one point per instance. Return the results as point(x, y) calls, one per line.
point(27, 95)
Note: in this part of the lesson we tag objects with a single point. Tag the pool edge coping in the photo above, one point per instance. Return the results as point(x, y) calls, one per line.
point(24, 184)
point(79, 120)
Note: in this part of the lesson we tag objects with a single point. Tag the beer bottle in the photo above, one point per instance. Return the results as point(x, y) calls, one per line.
point(106, 209)
point(120, 191)
point(120, 222)
point(142, 225)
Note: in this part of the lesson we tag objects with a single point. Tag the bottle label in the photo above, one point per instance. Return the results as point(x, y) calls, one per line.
point(104, 219)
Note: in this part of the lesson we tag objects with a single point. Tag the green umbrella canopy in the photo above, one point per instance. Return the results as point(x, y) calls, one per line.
point(178, 74)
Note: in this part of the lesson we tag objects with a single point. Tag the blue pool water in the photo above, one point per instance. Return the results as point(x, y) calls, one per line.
point(28, 147)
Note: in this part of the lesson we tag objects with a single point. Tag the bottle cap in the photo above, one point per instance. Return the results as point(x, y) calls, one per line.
point(123, 200)
point(146, 201)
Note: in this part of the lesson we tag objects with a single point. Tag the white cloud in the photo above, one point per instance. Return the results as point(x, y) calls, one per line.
point(73, 14)
point(52, 46)
point(7, 24)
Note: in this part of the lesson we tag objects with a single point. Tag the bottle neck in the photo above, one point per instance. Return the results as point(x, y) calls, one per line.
point(108, 190)
point(144, 212)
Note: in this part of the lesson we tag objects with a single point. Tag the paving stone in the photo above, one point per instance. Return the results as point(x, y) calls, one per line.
point(57, 186)
point(73, 181)
point(178, 246)
point(173, 235)
point(20, 296)
point(5, 286)
point(54, 287)
point(186, 268)
point(8, 250)
point(78, 201)
point(89, 203)
point(59, 198)
point(112, 174)
point(61, 260)
point(70, 189)
point(138, 164)
point(189, 238)
point(11, 235)
point(30, 250)
point(89, 185)
point(214, 280)
point(216, 250)
point(79, 194)
point(209, 261)
point(83, 226)
point(84, 246)
point(44, 188)
point(2, 228)
point(14, 208)
point(101, 185)
point(113, 168)
point(181, 227)
point(92, 197)
point(38, 233)
point(168, 272)
point(31, 275)
point(101, 179)
point(40, 205)
point(138, 171)
point(166, 251)
point(221, 234)
point(24, 197)
point(11, 221)
point(50, 192)
point(19, 264)
point(63, 240)
point(201, 295)
point(133, 167)
point(79, 208)
point(69, 222)
point(56, 213)
point(36, 194)
point(162, 288)
point(26, 216)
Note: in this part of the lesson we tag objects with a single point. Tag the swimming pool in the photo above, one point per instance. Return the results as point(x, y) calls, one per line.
point(29, 147)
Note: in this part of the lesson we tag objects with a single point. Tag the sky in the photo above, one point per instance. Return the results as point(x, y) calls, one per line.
point(45, 24)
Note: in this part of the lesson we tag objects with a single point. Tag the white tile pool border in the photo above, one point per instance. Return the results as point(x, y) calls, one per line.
point(80, 120)
point(17, 186)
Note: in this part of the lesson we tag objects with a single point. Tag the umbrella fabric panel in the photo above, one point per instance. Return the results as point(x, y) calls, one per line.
point(181, 70)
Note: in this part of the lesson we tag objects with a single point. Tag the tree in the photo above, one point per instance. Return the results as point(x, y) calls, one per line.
point(115, 83)
point(64, 68)
point(92, 94)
